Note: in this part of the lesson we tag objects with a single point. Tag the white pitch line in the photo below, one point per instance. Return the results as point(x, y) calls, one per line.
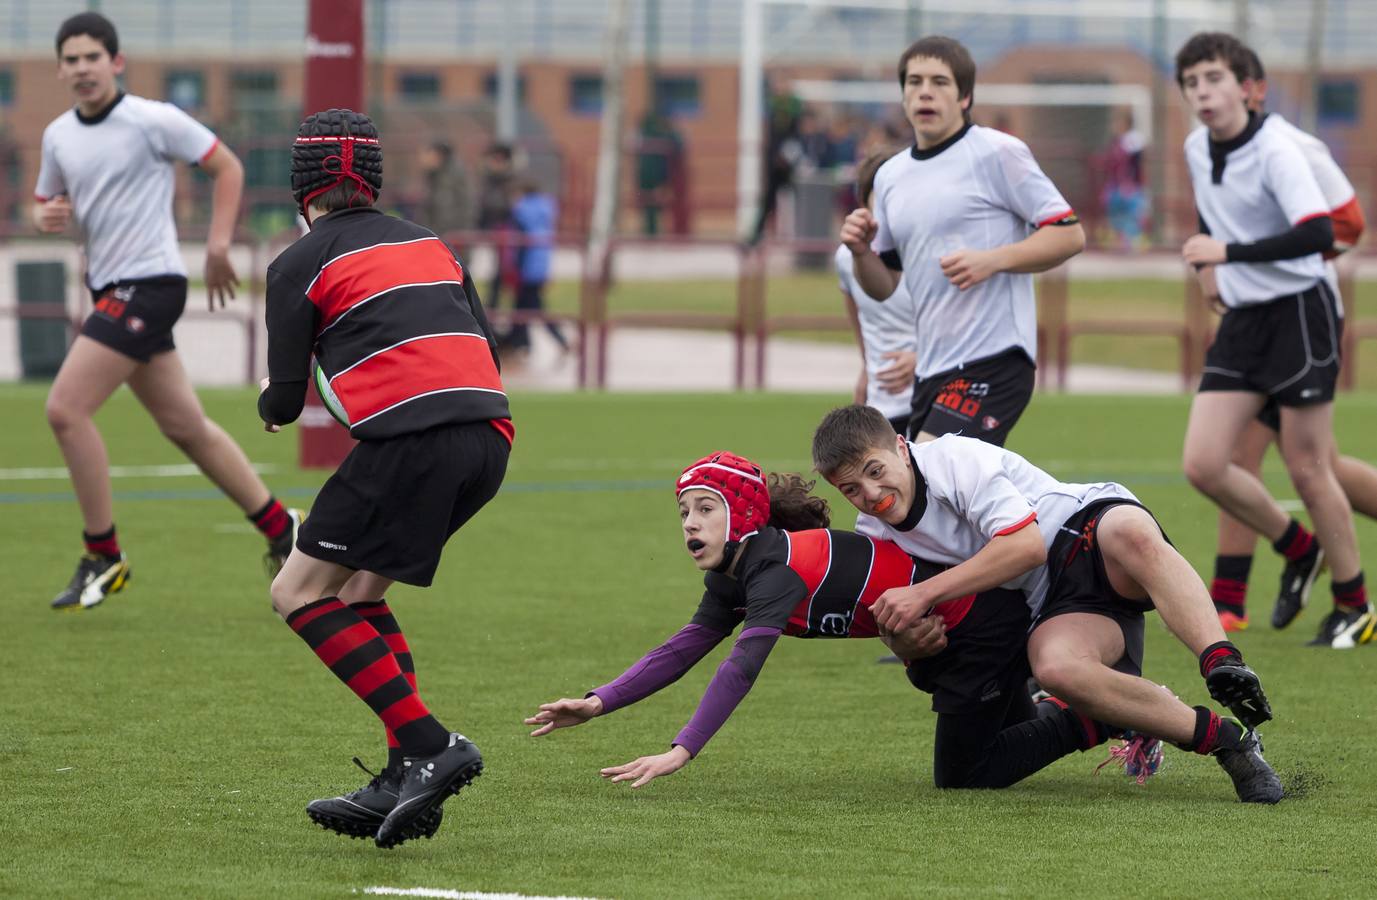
point(59, 473)
point(444, 894)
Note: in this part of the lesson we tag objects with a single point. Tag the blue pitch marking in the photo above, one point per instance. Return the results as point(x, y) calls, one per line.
point(512, 487)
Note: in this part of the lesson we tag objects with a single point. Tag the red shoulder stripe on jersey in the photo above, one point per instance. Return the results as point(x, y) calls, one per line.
point(1018, 526)
point(1067, 214)
point(205, 156)
point(357, 277)
point(423, 365)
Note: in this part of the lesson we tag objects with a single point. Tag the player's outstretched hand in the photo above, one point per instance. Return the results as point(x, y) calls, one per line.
point(897, 375)
point(54, 215)
point(220, 277)
point(897, 609)
point(858, 230)
point(564, 713)
point(967, 268)
point(1203, 250)
point(648, 768)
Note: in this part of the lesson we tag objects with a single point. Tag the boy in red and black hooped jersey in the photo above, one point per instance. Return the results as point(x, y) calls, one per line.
point(772, 567)
point(396, 326)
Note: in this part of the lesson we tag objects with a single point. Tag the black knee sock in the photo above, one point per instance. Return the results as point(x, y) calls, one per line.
point(1015, 752)
point(1217, 654)
point(1213, 732)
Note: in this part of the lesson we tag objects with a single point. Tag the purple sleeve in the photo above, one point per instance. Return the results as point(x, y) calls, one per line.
point(659, 668)
point(728, 687)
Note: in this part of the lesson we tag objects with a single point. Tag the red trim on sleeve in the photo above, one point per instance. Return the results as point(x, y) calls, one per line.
point(1018, 526)
point(205, 156)
point(1348, 222)
point(1303, 219)
point(39, 198)
point(1057, 218)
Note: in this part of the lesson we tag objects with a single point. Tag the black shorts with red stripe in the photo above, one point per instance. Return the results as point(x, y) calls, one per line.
point(393, 503)
point(1079, 583)
point(982, 399)
point(986, 657)
point(135, 317)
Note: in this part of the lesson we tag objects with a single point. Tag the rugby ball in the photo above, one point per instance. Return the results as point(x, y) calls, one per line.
point(327, 395)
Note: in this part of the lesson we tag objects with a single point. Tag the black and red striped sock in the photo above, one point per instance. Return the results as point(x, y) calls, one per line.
point(1217, 654)
point(379, 615)
point(105, 544)
point(1229, 589)
point(360, 657)
point(1213, 732)
point(271, 520)
point(1089, 732)
point(1295, 542)
point(1351, 594)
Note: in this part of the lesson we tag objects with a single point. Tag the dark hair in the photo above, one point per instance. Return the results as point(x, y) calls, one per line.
point(1213, 45)
point(499, 149)
point(954, 54)
point(846, 435)
point(1255, 70)
point(443, 150)
point(792, 504)
point(865, 175)
point(93, 25)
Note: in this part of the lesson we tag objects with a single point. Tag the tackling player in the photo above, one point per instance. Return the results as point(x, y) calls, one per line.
point(1090, 560)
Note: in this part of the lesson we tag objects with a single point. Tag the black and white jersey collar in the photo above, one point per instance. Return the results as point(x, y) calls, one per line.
point(938, 148)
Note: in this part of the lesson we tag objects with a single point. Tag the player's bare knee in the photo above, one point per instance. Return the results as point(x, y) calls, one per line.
point(1062, 676)
point(186, 434)
point(1130, 538)
point(286, 597)
point(62, 417)
point(1203, 471)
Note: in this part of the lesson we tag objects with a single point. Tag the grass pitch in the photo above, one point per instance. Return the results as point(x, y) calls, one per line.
point(165, 744)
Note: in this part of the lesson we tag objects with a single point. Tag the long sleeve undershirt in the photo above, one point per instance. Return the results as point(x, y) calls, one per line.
point(1311, 236)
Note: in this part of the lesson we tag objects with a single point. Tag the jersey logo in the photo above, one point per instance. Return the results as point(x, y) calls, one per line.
point(835, 624)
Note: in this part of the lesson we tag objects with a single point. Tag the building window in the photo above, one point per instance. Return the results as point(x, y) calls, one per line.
point(6, 87)
point(490, 87)
point(419, 87)
point(677, 96)
point(185, 90)
point(585, 95)
point(1338, 102)
point(257, 88)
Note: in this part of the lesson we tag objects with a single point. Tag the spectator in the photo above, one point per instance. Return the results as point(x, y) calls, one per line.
point(534, 215)
point(1125, 202)
point(495, 213)
point(660, 150)
point(448, 202)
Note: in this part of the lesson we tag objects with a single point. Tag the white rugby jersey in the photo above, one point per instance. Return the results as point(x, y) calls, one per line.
point(1334, 184)
point(978, 190)
point(1253, 187)
point(116, 170)
point(886, 326)
point(976, 492)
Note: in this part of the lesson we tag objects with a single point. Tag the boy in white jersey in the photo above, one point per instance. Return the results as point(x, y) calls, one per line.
point(1266, 224)
point(963, 218)
point(1357, 478)
point(1090, 560)
point(884, 329)
point(107, 167)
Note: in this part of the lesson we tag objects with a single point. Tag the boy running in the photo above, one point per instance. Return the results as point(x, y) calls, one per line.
point(1357, 478)
point(1265, 223)
point(402, 341)
point(1090, 560)
point(964, 218)
point(107, 167)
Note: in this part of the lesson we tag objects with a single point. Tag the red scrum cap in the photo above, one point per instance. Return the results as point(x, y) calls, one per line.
point(740, 484)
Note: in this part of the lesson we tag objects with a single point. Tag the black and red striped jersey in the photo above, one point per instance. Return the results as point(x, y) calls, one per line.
point(393, 320)
point(817, 583)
